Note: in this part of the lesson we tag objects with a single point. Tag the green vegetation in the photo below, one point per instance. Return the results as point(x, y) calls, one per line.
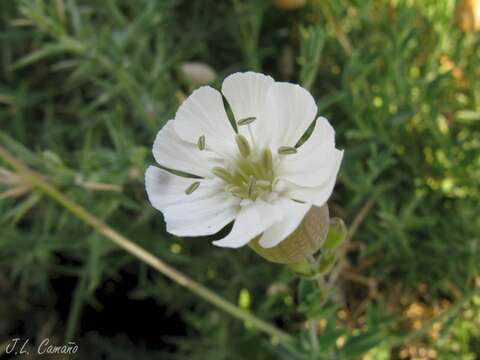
point(85, 86)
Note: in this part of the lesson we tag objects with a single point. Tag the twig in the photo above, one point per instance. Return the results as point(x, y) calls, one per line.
point(337, 29)
point(320, 281)
point(370, 283)
point(145, 256)
point(357, 221)
point(97, 186)
point(359, 218)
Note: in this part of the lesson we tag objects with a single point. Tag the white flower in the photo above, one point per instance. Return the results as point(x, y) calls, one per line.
point(256, 177)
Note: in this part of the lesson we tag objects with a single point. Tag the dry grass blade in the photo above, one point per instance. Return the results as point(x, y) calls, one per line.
point(16, 185)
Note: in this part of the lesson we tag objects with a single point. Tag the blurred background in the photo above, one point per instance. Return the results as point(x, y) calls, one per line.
point(84, 87)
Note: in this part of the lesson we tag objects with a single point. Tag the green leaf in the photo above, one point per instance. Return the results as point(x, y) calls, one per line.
point(361, 344)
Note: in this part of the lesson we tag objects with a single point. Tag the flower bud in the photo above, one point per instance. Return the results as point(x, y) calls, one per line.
point(305, 241)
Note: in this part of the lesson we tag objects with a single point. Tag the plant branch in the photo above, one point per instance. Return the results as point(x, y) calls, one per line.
point(337, 29)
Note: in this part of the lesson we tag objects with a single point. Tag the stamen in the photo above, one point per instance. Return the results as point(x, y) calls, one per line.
point(236, 190)
point(201, 142)
point(287, 150)
point(267, 161)
point(251, 176)
point(246, 121)
point(248, 167)
point(242, 175)
point(243, 145)
point(222, 174)
point(263, 183)
point(192, 187)
point(251, 186)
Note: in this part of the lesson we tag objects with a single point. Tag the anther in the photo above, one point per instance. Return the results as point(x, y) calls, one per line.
point(222, 174)
point(192, 187)
point(287, 150)
point(201, 142)
point(251, 186)
point(246, 121)
point(243, 145)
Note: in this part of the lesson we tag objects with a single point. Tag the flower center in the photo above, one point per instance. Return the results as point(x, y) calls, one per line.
point(251, 174)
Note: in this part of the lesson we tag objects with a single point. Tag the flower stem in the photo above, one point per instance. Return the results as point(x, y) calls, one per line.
point(123, 242)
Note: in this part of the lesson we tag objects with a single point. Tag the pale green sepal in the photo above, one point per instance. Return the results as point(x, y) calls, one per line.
point(312, 271)
point(302, 268)
point(325, 264)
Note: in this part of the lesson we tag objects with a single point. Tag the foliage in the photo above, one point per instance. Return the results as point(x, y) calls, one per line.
point(85, 86)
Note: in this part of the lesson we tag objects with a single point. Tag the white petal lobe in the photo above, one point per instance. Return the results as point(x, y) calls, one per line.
point(288, 112)
point(316, 161)
point(317, 195)
point(246, 94)
point(174, 153)
point(201, 216)
point(250, 222)
point(166, 189)
point(293, 214)
point(203, 113)
point(204, 212)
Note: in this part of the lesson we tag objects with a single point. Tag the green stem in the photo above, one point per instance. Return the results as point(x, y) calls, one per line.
point(313, 322)
point(37, 181)
point(314, 334)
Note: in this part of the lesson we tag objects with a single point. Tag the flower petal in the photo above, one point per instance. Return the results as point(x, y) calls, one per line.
point(250, 222)
point(293, 214)
point(246, 94)
point(203, 113)
point(202, 216)
point(316, 161)
point(176, 154)
point(317, 195)
point(204, 212)
point(288, 112)
point(165, 189)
